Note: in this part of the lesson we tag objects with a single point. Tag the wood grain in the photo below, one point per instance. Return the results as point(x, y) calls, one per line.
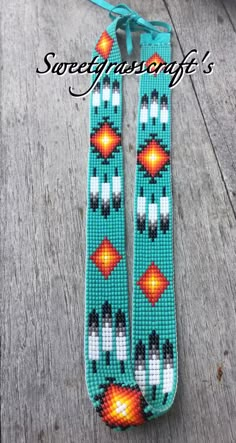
point(210, 27)
point(44, 144)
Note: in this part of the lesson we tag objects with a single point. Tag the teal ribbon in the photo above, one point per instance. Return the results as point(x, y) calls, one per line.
point(130, 21)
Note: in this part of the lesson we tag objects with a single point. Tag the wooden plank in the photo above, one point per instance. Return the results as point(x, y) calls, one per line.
point(43, 203)
point(230, 8)
point(208, 26)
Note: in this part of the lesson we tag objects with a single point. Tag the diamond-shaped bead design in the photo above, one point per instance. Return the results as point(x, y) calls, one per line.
point(104, 45)
point(155, 58)
point(105, 139)
point(106, 258)
point(153, 283)
point(122, 406)
point(153, 157)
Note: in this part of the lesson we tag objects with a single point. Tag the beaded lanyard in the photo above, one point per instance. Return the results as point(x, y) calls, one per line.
point(127, 391)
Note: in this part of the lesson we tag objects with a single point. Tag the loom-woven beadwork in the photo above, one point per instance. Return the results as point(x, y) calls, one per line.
point(127, 391)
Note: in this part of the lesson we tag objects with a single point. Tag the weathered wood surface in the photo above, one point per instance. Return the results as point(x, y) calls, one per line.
point(44, 140)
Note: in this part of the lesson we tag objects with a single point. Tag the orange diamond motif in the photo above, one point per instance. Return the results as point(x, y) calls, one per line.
point(153, 157)
point(106, 258)
point(104, 45)
point(122, 406)
point(155, 58)
point(105, 140)
point(153, 283)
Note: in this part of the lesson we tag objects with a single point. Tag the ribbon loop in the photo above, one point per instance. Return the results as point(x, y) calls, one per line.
point(121, 9)
point(130, 21)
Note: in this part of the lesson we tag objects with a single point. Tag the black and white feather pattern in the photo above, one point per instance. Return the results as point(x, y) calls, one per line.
point(94, 191)
point(96, 99)
point(168, 369)
point(107, 330)
point(152, 219)
point(105, 197)
point(141, 212)
point(121, 348)
point(140, 365)
point(115, 95)
point(164, 113)
point(93, 339)
point(154, 106)
point(164, 212)
point(116, 191)
point(144, 111)
point(106, 90)
point(154, 362)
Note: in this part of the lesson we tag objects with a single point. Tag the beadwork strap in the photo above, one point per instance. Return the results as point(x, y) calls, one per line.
point(125, 390)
